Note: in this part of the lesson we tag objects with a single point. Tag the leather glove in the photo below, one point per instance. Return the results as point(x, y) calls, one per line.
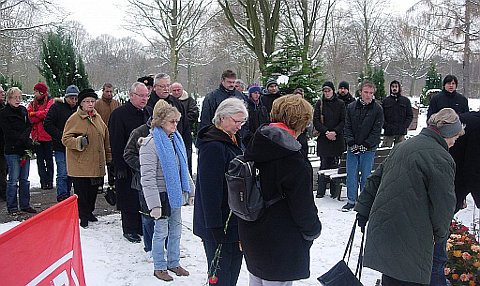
point(84, 141)
point(361, 221)
point(121, 174)
point(355, 149)
point(362, 148)
point(156, 212)
point(218, 235)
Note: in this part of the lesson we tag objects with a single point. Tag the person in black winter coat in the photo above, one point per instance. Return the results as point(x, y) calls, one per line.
point(344, 93)
point(213, 221)
point(121, 123)
point(16, 129)
point(54, 124)
point(257, 112)
point(3, 163)
point(270, 93)
point(363, 126)
point(397, 111)
point(448, 97)
point(277, 245)
point(466, 153)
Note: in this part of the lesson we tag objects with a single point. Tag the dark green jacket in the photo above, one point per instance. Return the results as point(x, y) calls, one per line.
point(410, 201)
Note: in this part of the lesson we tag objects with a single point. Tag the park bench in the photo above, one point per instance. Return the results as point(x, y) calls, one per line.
point(335, 177)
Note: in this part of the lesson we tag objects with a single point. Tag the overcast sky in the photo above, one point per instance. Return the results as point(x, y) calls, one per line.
point(106, 16)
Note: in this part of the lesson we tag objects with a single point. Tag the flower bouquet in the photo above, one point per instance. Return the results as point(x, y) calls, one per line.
point(463, 265)
point(26, 157)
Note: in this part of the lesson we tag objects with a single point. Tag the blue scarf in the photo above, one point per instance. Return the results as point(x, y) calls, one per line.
point(176, 180)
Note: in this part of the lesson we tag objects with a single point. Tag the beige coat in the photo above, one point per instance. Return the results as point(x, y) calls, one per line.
point(90, 160)
point(105, 107)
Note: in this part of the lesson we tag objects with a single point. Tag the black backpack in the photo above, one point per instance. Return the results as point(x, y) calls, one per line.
point(244, 196)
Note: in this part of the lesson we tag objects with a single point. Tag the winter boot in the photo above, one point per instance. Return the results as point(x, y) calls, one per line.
point(322, 186)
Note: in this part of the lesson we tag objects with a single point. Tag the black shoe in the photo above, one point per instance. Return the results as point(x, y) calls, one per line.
point(13, 212)
point(62, 197)
point(84, 223)
point(48, 186)
point(319, 196)
point(134, 238)
point(29, 210)
point(92, 218)
point(348, 207)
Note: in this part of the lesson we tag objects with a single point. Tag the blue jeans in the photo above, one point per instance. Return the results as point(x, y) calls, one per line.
point(363, 163)
point(148, 224)
point(439, 259)
point(17, 180)
point(64, 184)
point(44, 153)
point(171, 227)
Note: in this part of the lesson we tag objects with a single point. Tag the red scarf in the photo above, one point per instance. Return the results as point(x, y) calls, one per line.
point(282, 125)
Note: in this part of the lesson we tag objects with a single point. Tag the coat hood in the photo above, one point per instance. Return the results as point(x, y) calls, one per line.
point(271, 143)
point(212, 133)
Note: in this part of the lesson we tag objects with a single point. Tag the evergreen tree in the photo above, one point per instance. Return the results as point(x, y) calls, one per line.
point(377, 77)
point(60, 65)
point(305, 74)
point(7, 82)
point(432, 81)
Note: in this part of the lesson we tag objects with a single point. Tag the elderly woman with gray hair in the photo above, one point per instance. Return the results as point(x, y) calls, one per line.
point(217, 145)
point(165, 179)
point(409, 202)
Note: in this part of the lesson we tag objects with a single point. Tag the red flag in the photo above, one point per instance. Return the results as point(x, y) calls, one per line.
point(45, 249)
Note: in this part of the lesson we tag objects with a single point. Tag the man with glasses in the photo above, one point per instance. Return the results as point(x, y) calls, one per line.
point(161, 90)
point(123, 121)
point(3, 163)
point(105, 106)
point(214, 98)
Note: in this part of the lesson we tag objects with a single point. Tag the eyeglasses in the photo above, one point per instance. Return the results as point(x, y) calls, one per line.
point(142, 95)
point(241, 122)
point(174, 121)
point(88, 101)
point(163, 86)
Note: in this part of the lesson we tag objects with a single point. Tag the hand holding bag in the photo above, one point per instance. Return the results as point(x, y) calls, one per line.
point(340, 274)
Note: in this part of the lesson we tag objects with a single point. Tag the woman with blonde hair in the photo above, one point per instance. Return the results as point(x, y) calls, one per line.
point(286, 230)
point(409, 202)
point(165, 179)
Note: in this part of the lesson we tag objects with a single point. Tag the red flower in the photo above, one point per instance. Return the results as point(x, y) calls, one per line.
point(213, 279)
point(23, 162)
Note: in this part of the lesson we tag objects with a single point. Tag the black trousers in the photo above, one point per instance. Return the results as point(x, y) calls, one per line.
point(86, 190)
point(230, 262)
point(389, 281)
point(131, 222)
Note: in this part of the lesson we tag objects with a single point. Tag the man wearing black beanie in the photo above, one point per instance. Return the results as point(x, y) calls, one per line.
point(344, 93)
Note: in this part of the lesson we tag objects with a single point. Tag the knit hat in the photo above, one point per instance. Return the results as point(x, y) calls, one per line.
point(271, 81)
point(344, 84)
point(147, 80)
point(72, 90)
point(328, 84)
point(88, 92)
point(254, 88)
point(41, 87)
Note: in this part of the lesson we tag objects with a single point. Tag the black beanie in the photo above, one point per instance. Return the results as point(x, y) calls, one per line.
point(88, 92)
point(344, 84)
point(329, 84)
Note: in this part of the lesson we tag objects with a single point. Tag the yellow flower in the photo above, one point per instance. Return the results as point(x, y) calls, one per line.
point(457, 253)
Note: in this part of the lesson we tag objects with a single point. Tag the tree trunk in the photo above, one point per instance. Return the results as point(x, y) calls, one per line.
point(467, 51)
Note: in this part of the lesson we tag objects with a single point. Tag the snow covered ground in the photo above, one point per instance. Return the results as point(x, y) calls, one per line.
point(111, 260)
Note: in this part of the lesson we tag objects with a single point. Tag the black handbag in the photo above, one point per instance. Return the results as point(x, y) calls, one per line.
point(340, 274)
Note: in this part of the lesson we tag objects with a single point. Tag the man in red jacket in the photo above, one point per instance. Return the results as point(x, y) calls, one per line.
point(37, 110)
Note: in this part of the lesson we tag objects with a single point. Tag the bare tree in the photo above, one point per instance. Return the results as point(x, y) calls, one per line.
point(259, 26)
point(173, 23)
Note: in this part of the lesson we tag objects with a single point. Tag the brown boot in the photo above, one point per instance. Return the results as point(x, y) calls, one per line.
point(162, 275)
point(179, 271)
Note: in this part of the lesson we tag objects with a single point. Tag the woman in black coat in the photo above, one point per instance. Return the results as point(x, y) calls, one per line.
point(16, 131)
point(212, 220)
point(277, 245)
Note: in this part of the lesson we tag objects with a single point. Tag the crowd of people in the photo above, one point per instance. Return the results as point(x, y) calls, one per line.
point(145, 147)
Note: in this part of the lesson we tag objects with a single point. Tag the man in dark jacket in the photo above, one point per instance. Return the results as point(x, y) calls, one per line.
point(191, 109)
point(214, 98)
point(270, 93)
point(329, 121)
point(257, 112)
point(54, 124)
point(3, 163)
point(363, 126)
point(344, 93)
point(122, 122)
point(448, 97)
point(397, 111)
point(161, 91)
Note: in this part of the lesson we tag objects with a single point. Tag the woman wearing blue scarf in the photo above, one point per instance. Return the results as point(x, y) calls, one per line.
point(165, 178)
